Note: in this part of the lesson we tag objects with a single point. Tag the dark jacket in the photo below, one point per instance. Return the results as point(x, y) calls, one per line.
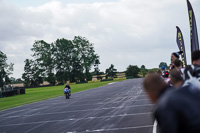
point(178, 111)
point(67, 86)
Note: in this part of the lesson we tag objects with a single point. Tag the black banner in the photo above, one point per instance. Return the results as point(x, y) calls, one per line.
point(193, 29)
point(181, 46)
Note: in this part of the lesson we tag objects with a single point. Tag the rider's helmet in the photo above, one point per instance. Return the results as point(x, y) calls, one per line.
point(163, 68)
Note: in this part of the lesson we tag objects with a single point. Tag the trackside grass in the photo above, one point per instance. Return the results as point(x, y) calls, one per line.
point(43, 93)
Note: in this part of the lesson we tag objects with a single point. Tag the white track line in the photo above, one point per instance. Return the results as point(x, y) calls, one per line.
point(147, 113)
point(83, 110)
point(99, 103)
point(35, 127)
point(113, 129)
point(10, 113)
point(155, 127)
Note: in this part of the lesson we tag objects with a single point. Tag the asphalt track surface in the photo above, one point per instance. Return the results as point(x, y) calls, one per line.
point(121, 107)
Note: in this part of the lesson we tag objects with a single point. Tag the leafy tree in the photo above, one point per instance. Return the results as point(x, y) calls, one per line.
point(32, 74)
point(153, 70)
point(132, 71)
point(51, 78)
point(19, 80)
point(73, 59)
point(43, 55)
point(64, 60)
point(111, 71)
point(12, 79)
point(37, 75)
point(27, 75)
point(2, 77)
point(86, 54)
point(5, 69)
point(163, 64)
point(97, 70)
point(64, 55)
point(77, 72)
point(143, 71)
point(88, 76)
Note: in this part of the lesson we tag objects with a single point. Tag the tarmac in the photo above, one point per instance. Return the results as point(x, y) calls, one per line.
point(120, 107)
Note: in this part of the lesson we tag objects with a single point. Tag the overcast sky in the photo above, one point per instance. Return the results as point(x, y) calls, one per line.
point(124, 32)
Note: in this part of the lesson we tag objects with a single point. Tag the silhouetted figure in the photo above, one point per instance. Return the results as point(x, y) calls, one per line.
point(177, 110)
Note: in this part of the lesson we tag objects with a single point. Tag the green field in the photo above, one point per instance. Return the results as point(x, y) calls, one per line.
point(38, 94)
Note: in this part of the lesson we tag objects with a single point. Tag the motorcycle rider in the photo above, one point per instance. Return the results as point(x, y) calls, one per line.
point(165, 73)
point(67, 86)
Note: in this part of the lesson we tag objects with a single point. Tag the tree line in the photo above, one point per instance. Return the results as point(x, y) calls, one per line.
point(63, 60)
point(60, 61)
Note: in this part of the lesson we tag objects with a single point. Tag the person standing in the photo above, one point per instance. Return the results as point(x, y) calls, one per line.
point(174, 56)
point(176, 78)
point(178, 65)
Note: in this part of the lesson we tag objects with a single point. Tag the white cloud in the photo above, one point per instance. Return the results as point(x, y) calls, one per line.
point(124, 32)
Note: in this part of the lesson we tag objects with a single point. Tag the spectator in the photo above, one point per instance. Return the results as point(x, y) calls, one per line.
point(152, 84)
point(193, 69)
point(174, 56)
point(177, 110)
point(196, 58)
point(178, 64)
point(176, 78)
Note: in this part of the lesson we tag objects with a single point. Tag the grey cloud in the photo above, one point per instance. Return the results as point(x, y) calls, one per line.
point(123, 32)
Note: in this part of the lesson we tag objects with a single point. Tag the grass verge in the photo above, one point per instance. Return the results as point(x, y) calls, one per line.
point(43, 93)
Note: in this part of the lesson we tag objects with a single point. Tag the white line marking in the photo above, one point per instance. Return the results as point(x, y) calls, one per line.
point(155, 127)
point(101, 103)
point(147, 113)
point(111, 83)
point(34, 128)
point(113, 129)
point(84, 110)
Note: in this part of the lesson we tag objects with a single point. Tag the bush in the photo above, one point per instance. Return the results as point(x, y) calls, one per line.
point(82, 82)
point(106, 80)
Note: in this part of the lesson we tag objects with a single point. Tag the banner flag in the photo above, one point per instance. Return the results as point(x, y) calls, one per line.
point(193, 29)
point(181, 46)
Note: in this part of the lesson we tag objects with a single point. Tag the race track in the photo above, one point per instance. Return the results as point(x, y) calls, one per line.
point(120, 107)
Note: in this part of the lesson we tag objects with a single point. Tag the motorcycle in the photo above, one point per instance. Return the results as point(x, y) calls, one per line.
point(67, 93)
